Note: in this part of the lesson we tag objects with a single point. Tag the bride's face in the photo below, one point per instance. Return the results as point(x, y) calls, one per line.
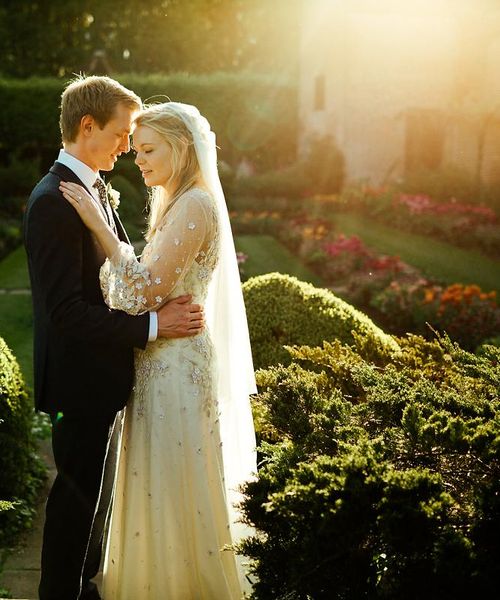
point(153, 156)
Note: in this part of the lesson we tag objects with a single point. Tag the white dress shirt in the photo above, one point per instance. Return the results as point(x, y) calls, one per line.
point(88, 177)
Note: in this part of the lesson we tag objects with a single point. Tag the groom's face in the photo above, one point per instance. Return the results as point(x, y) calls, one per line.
point(106, 144)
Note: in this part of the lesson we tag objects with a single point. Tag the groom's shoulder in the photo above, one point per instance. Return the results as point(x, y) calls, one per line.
point(49, 183)
point(47, 196)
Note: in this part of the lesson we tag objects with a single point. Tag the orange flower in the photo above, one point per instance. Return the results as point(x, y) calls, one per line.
point(429, 295)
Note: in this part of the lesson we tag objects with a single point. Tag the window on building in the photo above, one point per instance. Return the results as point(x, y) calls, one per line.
point(424, 140)
point(319, 92)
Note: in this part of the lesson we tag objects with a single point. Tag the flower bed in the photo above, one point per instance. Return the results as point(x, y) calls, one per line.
point(392, 292)
point(462, 224)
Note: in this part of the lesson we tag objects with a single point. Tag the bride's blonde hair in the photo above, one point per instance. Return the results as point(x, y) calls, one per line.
point(163, 118)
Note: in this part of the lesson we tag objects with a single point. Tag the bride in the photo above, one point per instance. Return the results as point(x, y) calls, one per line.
point(188, 440)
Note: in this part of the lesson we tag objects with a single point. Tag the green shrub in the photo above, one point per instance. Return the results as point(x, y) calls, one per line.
point(442, 184)
point(4, 505)
point(126, 167)
point(254, 116)
point(379, 473)
point(319, 171)
point(131, 208)
point(324, 166)
point(284, 311)
point(10, 236)
point(17, 179)
point(20, 468)
point(288, 182)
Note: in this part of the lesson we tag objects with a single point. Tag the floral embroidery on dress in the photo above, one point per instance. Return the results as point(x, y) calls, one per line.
point(202, 345)
point(204, 273)
point(145, 368)
point(201, 376)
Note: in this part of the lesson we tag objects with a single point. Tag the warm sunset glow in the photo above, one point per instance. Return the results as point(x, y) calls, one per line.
point(380, 62)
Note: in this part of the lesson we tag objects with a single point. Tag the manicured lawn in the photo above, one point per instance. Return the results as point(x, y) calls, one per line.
point(267, 255)
point(16, 328)
point(14, 270)
point(435, 259)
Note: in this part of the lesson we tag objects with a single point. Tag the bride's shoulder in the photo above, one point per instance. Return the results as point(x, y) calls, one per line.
point(197, 193)
point(195, 198)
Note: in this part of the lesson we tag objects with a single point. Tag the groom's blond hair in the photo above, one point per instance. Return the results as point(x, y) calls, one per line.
point(94, 95)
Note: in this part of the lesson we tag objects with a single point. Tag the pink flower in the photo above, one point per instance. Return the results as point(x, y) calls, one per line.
point(241, 257)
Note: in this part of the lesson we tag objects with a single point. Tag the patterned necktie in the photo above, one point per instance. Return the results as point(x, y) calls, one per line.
point(101, 190)
point(103, 197)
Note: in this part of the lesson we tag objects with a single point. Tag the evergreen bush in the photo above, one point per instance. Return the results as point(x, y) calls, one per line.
point(379, 473)
point(21, 471)
point(284, 311)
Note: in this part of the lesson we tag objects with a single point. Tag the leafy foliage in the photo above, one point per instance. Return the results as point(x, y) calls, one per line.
point(321, 170)
point(21, 470)
point(379, 472)
point(283, 311)
point(157, 36)
point(254, 116)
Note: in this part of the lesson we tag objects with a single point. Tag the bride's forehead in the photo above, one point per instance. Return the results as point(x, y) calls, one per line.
point(145, 135)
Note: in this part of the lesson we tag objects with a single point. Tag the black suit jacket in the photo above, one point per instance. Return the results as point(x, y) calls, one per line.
point(83, 351)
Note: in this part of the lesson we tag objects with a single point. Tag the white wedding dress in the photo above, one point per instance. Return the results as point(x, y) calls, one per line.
point(170, 519)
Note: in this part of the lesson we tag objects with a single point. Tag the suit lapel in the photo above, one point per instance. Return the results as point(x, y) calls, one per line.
point(66, 174)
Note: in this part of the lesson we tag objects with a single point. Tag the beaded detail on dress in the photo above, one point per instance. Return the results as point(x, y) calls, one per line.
point(183, 250)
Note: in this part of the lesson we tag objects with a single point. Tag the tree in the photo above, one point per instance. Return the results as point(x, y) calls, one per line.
point(60, 37)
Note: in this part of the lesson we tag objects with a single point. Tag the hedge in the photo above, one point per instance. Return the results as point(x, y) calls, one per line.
point(283, 311)
point(20, 468)
point(253, 115)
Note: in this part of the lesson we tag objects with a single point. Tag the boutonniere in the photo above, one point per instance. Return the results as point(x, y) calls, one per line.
point(113, 196)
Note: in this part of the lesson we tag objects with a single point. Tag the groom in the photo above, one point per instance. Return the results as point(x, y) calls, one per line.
point(83, 351)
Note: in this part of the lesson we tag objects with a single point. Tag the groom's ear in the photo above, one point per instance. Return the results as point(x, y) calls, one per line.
point(87, 125)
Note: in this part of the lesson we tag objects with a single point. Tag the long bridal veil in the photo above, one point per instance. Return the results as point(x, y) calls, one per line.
point(227, 322)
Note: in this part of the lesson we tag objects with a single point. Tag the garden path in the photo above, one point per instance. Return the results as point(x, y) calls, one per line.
point(21, 570)
point(19, 292)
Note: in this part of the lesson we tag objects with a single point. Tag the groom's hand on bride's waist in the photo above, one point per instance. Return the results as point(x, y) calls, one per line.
point(179, 318)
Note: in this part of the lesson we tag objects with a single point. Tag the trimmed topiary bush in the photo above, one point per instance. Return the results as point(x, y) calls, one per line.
point(21, 472)
point(283, 311)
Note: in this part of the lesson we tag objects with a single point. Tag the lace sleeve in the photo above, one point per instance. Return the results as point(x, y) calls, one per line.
point(137, 286)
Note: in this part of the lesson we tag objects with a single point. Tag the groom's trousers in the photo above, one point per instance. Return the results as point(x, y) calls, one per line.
point(85, 455)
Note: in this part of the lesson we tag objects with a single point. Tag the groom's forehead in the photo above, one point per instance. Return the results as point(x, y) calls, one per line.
point(123, 118)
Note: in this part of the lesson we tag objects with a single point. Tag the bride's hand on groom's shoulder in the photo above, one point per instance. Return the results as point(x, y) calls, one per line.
point(84, 205)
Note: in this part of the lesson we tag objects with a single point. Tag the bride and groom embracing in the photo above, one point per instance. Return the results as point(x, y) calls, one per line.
point(166, 335)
